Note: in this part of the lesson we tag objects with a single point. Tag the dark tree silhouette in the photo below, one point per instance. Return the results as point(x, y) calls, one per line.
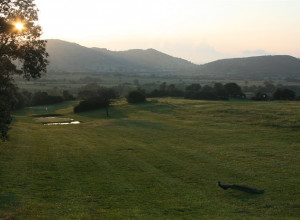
point(260, 96)
point(284, 94)
point(20, 46)
point(219, 90)
point(100, 99)
point(233, 90)
point(191, 91)
point(136, 97)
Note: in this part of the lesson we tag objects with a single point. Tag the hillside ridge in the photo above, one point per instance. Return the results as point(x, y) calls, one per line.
point(72, 57)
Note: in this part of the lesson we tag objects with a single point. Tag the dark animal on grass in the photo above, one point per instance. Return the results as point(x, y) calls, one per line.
point(241, 188)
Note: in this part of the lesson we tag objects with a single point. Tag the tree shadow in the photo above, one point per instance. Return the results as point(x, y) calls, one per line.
point(156, 107)
point(114, 113)
point(244, 196)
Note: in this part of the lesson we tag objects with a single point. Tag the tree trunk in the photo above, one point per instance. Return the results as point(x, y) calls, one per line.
point(107, 113)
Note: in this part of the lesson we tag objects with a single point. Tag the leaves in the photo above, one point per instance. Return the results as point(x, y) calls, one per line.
point(22, 47)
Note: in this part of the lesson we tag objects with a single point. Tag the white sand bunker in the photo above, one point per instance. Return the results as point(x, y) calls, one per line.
point(63, 123)
point(50, 119)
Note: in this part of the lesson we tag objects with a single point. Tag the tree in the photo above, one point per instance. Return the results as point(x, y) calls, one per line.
point(192, 91)
point(136, 97)
point(108, 95)
point(233, 90)
point(42, 98)
point(101, 99)
point(220, 91)
point(67, 96)
point(172, 91)
point(260, 96)
point(7, 97)
point(21, 51)
point(284, 94)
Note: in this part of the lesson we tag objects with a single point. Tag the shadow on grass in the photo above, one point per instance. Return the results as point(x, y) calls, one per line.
point(156, 107)
point(147, 125)
point(114, 113)
point(8, 200)
point(44, 109)
point(47, 115)
point(244, 196)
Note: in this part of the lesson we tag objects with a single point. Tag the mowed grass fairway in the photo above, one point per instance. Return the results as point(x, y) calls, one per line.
point(158, 160)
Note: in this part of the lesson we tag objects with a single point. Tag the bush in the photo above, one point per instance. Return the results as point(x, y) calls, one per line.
point(136, 97)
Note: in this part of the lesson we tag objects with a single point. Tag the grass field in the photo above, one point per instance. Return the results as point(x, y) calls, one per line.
point(158, 160)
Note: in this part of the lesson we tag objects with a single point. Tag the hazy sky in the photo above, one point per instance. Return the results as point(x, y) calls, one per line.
point(196, 30)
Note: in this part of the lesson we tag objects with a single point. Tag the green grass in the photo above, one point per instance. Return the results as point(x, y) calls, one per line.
point(158, 160)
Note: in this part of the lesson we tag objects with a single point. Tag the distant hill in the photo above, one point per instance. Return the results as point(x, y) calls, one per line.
point(280, 66)
point(71, 57)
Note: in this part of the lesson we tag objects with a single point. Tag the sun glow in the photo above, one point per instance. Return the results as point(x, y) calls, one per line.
point(19, 26)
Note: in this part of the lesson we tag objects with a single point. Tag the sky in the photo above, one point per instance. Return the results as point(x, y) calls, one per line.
point(196, 30)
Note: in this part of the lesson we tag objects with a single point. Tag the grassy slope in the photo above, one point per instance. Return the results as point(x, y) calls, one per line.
point(156, 160)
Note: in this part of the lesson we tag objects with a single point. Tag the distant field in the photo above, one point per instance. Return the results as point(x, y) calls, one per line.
point(158, 160)
point(73, 81)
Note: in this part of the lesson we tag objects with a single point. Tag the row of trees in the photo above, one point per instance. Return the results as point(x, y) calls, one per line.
point(93, 96)
point(216, 92)
point(278, 94)
point(166, 90)
point(220, 91)
point(195, 91)
point(25, 98)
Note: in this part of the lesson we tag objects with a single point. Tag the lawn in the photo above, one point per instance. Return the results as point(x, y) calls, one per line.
point(158, 160)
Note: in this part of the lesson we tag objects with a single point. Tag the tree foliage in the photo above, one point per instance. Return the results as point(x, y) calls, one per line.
point(7, 97)
point(216, 92)
point(260, 96)
point(165, 91)
point(234, 90)
point(43, 98)
point(21, 51)
point(136, 96)
point(101, 98)
point(283, 94)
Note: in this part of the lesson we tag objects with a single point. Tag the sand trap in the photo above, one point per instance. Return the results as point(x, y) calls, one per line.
point(63, 123)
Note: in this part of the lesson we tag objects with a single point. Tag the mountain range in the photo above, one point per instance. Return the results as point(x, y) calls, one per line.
point(72, 57)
